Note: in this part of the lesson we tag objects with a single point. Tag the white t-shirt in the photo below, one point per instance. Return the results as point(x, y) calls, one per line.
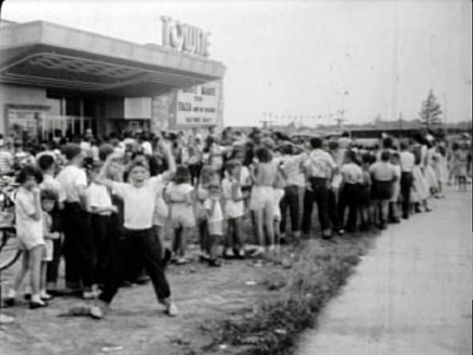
point(72, 178)
point(51, 183)
point(233, 209)
point(139, 202)
point(383, 171)
point(217, 215)
point(352, 173)
point(98, 197)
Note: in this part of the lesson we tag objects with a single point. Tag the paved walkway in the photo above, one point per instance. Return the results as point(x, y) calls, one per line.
point(411, 295)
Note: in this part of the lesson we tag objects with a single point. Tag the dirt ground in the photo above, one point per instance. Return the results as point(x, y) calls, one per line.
point(137, 324)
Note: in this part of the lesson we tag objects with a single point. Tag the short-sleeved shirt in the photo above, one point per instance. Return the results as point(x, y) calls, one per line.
point(233, 209)
point(139, 202)
point(352, 173)
point(72, 178)
point(28, 230)
point(291, 165)
point(319, 164)
point(99, 197)
point(407, 160)
point(383, 171)
point(217, 215)
point(50, 183)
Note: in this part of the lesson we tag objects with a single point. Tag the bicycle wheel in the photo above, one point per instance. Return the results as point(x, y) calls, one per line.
point(9, 251)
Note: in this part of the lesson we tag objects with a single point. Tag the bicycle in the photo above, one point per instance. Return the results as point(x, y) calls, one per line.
point(9, 251)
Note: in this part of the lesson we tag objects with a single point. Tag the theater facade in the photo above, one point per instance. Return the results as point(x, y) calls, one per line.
point(60, 80)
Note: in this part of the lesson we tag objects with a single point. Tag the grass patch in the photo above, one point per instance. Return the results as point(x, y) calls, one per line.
point(304, 279)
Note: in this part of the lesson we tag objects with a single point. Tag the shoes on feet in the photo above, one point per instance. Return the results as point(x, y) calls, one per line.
point(181, 261)
point(36, 304)
point(215, 262)
point(9, 301)
point(88, 295)
point(172, 310)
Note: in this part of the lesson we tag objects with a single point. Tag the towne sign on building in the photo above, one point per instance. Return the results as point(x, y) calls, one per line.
point(55, 78)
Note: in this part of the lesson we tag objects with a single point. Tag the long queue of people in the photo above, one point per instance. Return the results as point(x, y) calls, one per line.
point(105, 207)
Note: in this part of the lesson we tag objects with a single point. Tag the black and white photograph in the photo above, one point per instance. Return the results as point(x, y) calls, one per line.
point(268, 177)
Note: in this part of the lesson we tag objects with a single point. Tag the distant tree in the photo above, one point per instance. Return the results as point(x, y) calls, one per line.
point(430, 111)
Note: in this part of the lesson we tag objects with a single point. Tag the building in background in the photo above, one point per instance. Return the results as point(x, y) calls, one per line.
point(56, 79)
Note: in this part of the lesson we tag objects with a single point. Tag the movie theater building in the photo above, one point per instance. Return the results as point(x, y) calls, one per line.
point(59, 79)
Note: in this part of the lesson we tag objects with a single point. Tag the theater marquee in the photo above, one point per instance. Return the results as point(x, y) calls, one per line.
point(184, 38)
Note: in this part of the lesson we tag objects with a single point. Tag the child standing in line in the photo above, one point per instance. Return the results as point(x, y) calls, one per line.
point(179, 196)
point(100, 208)
point(47, 164)
point(207, 175)
point(383, 175)
point(214, 211)
point(48, 203)
point(352, 177)
point(29, 231)
point(234, 209)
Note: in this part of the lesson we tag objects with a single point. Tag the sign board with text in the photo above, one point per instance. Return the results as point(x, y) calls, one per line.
point(198, 105)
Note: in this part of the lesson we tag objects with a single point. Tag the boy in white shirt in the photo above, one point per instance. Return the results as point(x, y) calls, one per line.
point(100, 208)
point(352, 177)
point(234, 208)
point(214, 211)
point(139, 198)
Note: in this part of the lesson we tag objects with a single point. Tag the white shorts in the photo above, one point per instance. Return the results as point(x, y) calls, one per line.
point(182, 215)
point(262, 198)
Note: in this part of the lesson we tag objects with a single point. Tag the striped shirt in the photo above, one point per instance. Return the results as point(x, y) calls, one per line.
point(6, 161)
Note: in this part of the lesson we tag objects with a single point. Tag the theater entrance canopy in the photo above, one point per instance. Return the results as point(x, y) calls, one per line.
point(52, 56)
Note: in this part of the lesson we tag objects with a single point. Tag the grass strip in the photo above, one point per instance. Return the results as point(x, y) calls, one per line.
point(308, 276)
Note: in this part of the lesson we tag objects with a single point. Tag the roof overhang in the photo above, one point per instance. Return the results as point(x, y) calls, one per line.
point(56, 57)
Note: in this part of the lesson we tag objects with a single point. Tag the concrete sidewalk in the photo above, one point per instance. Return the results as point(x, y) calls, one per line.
point(411, 295)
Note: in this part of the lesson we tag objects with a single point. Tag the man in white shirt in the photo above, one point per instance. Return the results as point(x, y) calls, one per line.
point(78, 244)
point(407, 160)
point(319, 168)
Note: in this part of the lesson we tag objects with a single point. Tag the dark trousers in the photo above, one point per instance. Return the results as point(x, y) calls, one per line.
point(52, 268)
point(406, 185)
point(348, 198)
point(79, 253)
point(290, 201)
point(102, 234)
point(146, 247)
point(233, 238)
point(320, 194)
point(333, 201)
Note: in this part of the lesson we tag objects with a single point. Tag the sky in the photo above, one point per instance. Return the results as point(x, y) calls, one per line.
point(305, 59)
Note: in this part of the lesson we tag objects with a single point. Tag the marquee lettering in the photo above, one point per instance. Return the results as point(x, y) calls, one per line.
point(184, 38)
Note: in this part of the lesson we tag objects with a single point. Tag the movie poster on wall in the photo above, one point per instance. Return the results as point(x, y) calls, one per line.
point(198, 105)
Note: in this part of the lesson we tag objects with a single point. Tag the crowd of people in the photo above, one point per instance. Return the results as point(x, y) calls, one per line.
point(104, 204)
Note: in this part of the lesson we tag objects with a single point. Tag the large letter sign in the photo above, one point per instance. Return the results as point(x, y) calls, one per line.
point(185, 38)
